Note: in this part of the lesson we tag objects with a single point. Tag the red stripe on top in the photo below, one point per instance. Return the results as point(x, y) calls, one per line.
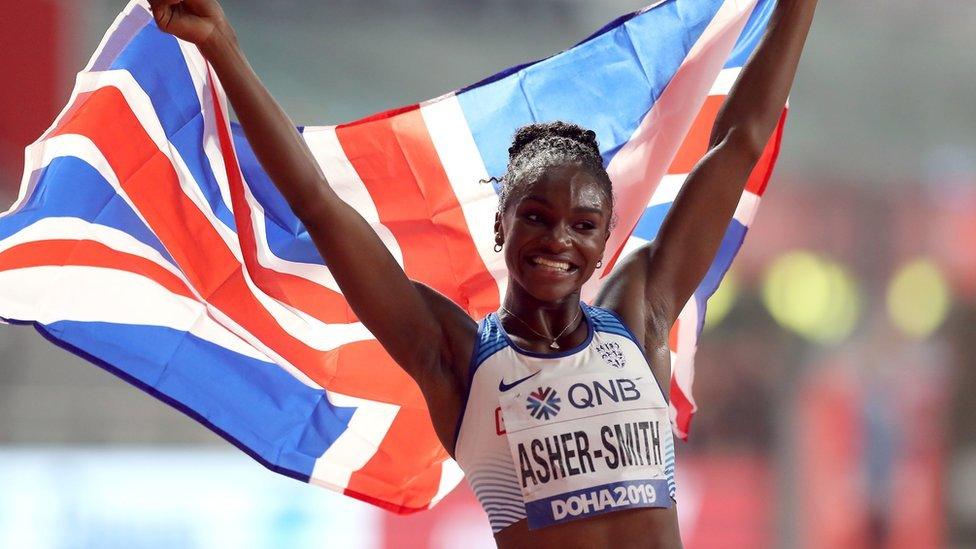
point(398, 164)
point(300, 293)
point(149, 179)
point(87, 253)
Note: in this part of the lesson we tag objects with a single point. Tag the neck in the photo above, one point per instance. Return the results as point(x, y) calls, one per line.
point(548, 317)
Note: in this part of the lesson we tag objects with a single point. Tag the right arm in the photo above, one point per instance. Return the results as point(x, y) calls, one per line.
point(400, 315)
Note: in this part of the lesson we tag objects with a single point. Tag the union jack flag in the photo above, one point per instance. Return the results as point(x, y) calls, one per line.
point(147, 239)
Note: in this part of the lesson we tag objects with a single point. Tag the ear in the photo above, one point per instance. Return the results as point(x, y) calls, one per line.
point(499, 232)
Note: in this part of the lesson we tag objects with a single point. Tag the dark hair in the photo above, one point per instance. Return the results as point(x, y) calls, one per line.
point(536, 147)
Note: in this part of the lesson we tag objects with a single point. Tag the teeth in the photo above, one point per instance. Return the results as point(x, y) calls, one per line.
point(561, 265)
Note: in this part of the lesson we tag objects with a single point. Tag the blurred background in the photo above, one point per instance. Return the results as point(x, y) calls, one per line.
point(835, 380)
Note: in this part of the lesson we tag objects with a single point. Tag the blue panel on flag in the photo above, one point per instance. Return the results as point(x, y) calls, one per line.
point(731, 243)
point(285, 234)
point(751, 34)
point(650, 222)
point(157, 65)
point(607, 84)
point(257, 405)
point(70, 187)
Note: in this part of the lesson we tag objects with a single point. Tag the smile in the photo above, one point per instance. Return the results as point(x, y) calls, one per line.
point(553, 264)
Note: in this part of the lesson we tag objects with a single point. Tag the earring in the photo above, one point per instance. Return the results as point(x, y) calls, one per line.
point(498, 247)
point(599, 264)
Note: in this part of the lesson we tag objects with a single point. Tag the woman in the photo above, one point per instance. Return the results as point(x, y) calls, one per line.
point(546, 404)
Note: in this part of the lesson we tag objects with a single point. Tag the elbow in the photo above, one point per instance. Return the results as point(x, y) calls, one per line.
point(312, 204)
point(746, 140)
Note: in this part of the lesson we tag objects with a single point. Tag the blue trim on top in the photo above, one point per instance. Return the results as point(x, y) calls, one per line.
point(605, 320)
point(608, 321)
point(586, 341)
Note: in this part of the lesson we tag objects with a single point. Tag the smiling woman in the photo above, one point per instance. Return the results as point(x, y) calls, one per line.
point(556, 206)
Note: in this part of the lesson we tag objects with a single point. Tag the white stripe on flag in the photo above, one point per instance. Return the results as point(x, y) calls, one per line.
point(357, 444)
point(725, 80)
point(310, 331)
point(451, 476)
point(458, 153)
point(55, 293)
point(199, 72)
point(345, 181)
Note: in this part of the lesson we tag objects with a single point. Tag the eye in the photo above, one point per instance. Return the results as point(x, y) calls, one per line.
point(532, 217)
point(585, 225)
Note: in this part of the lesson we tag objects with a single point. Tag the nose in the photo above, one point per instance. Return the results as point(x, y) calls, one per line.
point(559, 238)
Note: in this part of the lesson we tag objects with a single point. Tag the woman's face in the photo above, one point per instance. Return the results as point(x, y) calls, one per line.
point(555, 232)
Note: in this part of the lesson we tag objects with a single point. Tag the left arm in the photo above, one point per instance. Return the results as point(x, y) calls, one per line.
point(649, 289)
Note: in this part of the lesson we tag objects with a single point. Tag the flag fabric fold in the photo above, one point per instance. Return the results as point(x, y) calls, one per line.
point(147, 239)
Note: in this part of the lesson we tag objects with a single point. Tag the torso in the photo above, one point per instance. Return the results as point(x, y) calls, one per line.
point(588, 399)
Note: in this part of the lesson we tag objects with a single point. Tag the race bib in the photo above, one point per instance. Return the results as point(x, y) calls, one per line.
point(587, 445)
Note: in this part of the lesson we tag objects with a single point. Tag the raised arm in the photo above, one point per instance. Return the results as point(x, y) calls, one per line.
point(400, 316)
point(651, 287)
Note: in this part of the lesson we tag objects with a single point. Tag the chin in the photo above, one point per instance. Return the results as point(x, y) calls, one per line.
point(548, 291)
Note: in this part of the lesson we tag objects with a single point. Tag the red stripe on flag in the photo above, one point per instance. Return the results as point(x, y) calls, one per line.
point(415, 491)
point(696, 141)
point(300, 293)
point(87, 253)
point(70, 112)
point(683, 407)
point(398, 164)
point(696, 144)
point(673, 336)
point(760, 175)
point(149, 179)
point(365, 370)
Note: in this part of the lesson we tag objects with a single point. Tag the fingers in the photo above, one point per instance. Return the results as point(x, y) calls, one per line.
point(159, 4)
point(158, 7)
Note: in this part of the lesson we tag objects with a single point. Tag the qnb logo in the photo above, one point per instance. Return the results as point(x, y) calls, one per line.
point(598, 393)
point(543, 403)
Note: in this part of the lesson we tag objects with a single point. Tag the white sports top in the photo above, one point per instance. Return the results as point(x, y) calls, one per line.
point(558, 437)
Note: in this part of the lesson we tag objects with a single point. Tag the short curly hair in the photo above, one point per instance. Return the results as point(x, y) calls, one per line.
point(536, 147)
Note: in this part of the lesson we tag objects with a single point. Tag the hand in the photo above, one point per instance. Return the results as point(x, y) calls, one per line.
point(196, 21)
